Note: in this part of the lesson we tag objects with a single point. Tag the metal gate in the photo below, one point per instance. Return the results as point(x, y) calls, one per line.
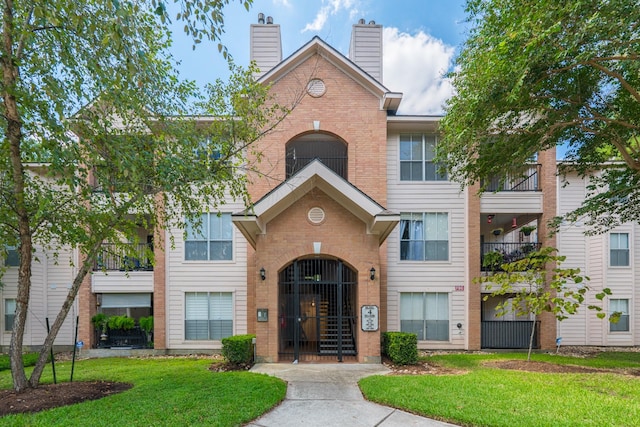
point(317, 309)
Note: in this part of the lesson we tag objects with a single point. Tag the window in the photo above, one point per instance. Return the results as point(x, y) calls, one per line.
point(212, 240)
point(9, 313)
point(12, 257)
point(619, 306)
point(424, 236)
point(619, 249)
point(416, 158)
point(208, 315)
point(425, 314)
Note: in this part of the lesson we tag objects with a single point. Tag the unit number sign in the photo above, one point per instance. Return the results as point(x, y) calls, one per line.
point(370, 319)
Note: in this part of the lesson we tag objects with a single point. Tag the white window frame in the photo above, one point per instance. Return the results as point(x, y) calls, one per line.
point(8, 325)
point(617, 305)
point(426, 315)
point(421, 244)
point(615, 246)
point(206, 235)
point(426, 162)
point(212, 334)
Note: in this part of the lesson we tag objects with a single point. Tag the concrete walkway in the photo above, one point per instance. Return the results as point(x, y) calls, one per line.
point(328, 395)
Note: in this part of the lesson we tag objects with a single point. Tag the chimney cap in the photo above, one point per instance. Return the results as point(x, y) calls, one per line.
point(372, 22)
point(269, 20)
point(261, 18)
point(361, 21)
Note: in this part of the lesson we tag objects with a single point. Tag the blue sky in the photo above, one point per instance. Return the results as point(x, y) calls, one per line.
point(421, 38)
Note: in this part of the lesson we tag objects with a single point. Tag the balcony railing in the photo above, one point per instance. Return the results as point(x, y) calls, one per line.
point(336, 164)
point(508, 334)
point(509, 252)
point(525, 179)
point(134, 258)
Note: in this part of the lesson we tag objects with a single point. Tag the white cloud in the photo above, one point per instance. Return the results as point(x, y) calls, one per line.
point(318, 23)
point(330, 7)
point(415, 65)
point(284, 3)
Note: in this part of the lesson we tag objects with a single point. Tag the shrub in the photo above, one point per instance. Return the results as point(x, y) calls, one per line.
point(400, 347)
point(238, 349)
point(146, 324)
point(29, 359)
point(123, 322)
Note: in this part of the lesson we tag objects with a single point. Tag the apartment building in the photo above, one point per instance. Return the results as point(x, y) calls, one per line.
point(355, 232)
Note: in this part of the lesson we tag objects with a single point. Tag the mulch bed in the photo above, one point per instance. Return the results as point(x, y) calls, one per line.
point(54, 395)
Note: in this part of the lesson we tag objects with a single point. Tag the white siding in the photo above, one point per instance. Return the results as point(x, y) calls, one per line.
point(591, 255)
point(205, 276)
point(366, 49)
point(122, 282)
point(427, 276)
point(266, 47)
point(511, 202)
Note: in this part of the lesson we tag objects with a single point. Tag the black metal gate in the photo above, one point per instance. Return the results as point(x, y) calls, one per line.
point(317, 309)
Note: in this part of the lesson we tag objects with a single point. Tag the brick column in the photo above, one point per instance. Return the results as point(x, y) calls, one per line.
point(473, 291)
point(87, 308)
point(159, 280)
point(548, 182)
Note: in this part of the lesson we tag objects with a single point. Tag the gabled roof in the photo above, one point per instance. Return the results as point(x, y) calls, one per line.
point(378, 220)
point(388, 100)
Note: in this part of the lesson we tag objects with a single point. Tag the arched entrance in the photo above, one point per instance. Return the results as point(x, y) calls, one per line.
point(317, 310)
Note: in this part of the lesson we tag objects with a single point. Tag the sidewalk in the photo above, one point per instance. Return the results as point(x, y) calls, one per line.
point(328, 395)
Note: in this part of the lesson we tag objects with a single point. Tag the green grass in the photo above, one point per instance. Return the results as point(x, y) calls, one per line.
point(487, 396)
point(166, 392)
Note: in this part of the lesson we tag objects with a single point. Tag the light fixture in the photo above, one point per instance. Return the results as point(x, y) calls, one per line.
point(372, 273)
point(316, 125)
point(263, 273)
point(490, 218)
point(317, 246)
point(514, 222)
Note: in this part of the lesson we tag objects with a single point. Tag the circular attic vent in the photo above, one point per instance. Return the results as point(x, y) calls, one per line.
point(316, 88)
point(316, 215)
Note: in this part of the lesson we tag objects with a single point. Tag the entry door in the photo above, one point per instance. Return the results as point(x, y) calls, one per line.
point(317, 309)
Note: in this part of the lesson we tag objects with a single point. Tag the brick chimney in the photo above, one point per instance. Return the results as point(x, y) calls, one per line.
point(366, 48)
point(266, 44)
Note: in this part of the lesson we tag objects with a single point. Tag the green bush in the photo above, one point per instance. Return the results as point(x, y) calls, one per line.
point(238, 349)
point(29, 359)
point(123, 322)
point(400, 347)
point(146, 324)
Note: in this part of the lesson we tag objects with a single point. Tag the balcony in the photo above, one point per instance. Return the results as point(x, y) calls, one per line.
point(525, 179)
point(128, 257)
point(509, 252)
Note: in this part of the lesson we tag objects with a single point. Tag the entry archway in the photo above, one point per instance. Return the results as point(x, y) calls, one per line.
point(317, 315)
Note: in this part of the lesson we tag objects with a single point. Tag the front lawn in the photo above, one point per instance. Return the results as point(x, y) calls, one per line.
point(486, 396)
point(166, 391)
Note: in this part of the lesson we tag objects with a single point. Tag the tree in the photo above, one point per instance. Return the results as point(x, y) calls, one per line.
point(533, 287)
point(537, 74)
point(91, 94)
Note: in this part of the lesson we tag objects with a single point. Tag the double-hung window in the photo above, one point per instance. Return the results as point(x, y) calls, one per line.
point(208, 315)
point(619, 249)
point(9, 313)
point(213, 240)
point(12, 258)
point(424, 236)
point(417, 153)
point(425, 314)
point(619, 306)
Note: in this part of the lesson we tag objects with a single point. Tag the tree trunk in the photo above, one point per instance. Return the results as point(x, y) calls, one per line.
point(533, 332)
point(13, 133)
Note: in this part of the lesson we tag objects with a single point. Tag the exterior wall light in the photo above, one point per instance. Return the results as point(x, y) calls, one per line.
point(263, 273)
point(372, 273)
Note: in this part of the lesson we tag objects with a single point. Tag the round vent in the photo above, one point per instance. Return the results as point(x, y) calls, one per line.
point(316, 88)
point(316, 215)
